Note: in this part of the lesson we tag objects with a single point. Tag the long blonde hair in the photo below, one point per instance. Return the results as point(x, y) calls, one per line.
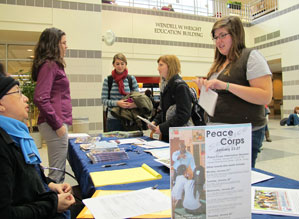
point(173, 64)
point(235, 28)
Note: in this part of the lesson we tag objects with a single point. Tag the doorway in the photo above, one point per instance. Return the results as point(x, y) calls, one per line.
point(277, 99)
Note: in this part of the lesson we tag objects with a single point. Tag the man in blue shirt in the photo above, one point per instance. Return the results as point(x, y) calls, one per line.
point(182, 156)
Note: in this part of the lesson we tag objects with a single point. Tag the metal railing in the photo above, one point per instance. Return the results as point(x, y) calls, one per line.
point(211, 8)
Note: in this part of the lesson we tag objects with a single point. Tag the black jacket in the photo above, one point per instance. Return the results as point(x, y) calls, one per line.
point(22, 192)
point(178, 94)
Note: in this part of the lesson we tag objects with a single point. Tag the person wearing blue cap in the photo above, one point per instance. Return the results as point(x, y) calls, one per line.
point(25, 191)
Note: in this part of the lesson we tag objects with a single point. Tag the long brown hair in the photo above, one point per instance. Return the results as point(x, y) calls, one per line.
point(235, 28)
point(296, 108)
point(47, 48)
point(173, 64)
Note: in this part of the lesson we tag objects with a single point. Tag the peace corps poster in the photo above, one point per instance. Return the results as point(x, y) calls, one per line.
point(211, 171)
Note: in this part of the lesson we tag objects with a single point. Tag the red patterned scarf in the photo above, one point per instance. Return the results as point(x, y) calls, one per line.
point(119, 79)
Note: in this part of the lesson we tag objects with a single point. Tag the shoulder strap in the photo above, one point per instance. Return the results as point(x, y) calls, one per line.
point(130, 82)
point(110, 81)
point(176, 83)
point(193, 94)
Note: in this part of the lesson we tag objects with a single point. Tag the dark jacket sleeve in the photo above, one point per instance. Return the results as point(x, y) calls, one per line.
point(159, 117)
point(183, 109)
point(22, 193)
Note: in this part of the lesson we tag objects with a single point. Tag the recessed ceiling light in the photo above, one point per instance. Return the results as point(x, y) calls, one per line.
point(29, 50)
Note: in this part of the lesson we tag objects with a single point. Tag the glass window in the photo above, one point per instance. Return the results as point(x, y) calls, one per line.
point(20, 51)
point(2, 52)
point(16, 67)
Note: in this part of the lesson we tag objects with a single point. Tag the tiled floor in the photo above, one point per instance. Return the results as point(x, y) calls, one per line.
point(281, 156)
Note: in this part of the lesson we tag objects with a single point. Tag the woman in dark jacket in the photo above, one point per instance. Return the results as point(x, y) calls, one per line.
point(175, 98)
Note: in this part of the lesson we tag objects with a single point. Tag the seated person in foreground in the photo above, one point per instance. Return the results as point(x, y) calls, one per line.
point(25, 191)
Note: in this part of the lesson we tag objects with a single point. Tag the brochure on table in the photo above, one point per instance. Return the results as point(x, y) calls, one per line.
point(257, 177)
point(126, 205)
point(218, 158)
point(85, 213)
point(277, 201)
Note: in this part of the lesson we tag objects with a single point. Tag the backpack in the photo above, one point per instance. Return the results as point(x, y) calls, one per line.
point(110, 81)
point(197, 112)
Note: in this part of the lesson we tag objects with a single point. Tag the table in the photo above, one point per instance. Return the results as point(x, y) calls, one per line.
point(82, 166)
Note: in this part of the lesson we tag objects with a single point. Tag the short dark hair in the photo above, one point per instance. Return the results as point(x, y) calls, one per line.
point(148, 93)
point(181, 169)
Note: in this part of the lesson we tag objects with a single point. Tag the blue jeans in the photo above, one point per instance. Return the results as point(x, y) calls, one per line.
point(114, 125)
point(257, 142)
point(293, 119)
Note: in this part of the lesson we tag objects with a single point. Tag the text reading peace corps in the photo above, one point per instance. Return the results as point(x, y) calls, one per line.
point(228, 137)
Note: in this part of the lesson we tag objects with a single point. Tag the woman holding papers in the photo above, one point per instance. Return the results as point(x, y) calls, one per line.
point(115, 87)
point(25, 191)
point(242, 79)
point(175, 100)
point(52, 97)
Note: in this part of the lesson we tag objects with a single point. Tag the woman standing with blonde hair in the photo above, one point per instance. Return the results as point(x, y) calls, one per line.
point(52, 97)
point(175, 98)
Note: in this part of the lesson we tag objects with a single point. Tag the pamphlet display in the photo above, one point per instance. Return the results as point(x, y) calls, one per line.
point(211, 171)
point(276, 201)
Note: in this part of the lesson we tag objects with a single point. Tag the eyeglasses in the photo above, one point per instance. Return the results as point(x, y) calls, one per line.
point(16, 92)
point(220, 36)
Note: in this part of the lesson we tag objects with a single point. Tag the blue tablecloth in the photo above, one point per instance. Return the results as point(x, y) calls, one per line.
point(82, 166)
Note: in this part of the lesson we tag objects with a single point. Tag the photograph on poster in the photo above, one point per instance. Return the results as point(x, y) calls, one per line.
point(188, 174)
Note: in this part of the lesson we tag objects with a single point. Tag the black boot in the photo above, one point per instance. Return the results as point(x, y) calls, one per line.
point(283, 122)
